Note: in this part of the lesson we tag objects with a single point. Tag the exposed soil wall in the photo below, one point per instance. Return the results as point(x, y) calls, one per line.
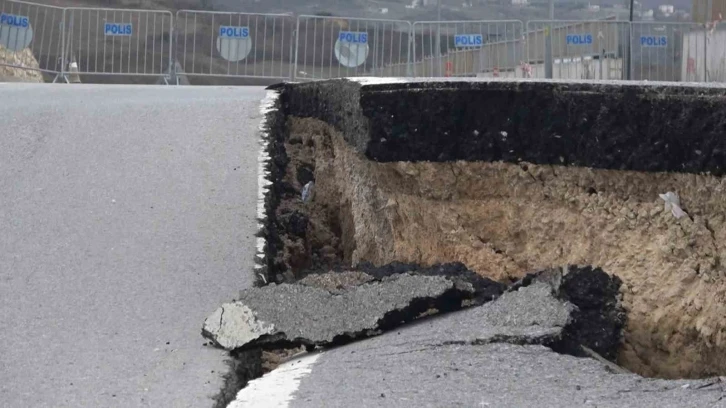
point(503, 220)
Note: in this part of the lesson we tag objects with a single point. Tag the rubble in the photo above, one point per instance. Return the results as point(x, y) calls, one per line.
point(564, 311)
point(30, 71)
point(598, 318)
point(485, 289)
point(530, 315)
point(311, 316)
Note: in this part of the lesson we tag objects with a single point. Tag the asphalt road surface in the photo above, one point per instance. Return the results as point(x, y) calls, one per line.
point(486, 356)
point(127, 216)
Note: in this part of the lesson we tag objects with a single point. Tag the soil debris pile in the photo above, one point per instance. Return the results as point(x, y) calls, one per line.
point(24, 66)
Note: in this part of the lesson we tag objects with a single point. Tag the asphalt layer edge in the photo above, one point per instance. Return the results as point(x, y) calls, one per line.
point(246, 365)
point(639, 127)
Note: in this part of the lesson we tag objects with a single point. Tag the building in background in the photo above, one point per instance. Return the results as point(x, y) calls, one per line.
point(705, 11)
point(666, 9)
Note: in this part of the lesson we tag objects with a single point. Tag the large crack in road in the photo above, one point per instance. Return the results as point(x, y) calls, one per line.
point(420, 179)
point(501, 353)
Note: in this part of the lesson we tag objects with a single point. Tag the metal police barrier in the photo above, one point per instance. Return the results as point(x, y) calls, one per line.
point(579, 49)
point(119, 42)
point(660, 51)
point(235, 44)
point(695, 54)
point(334, 47)
point(467, 48)
point(715, 54)
point(31, 32)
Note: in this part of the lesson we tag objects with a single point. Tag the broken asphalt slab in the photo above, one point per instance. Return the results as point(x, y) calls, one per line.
point(493, 355)
point(530, 315)
point(485, 289)
point(391, 371)
point(336, 307)
point(313, 316)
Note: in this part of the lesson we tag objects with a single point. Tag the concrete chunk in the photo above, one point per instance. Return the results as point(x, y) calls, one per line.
point(235, 324)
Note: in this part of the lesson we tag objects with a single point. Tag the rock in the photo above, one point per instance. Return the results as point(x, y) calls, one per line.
point(23, 58)
point(307, 315)
point(295, 139)
point(295, 222)
point(598, 319)
point(234, 324)
point(305, 174)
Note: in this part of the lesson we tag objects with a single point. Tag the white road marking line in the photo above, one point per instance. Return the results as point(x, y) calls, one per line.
point(263, 183)
point(275, 389)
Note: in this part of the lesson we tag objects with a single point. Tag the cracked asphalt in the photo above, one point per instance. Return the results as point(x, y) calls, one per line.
point(486, 356)
point(127, 216)
point(314, 314)
point(388, 372)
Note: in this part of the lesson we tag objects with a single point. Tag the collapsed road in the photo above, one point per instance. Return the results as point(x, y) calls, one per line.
point(496, 355)
point(622, 179)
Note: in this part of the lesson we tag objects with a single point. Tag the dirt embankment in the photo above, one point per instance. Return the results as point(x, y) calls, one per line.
point(14, 73)
point(503, 220)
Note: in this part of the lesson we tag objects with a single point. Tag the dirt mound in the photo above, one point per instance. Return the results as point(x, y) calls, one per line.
point(25, 59)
